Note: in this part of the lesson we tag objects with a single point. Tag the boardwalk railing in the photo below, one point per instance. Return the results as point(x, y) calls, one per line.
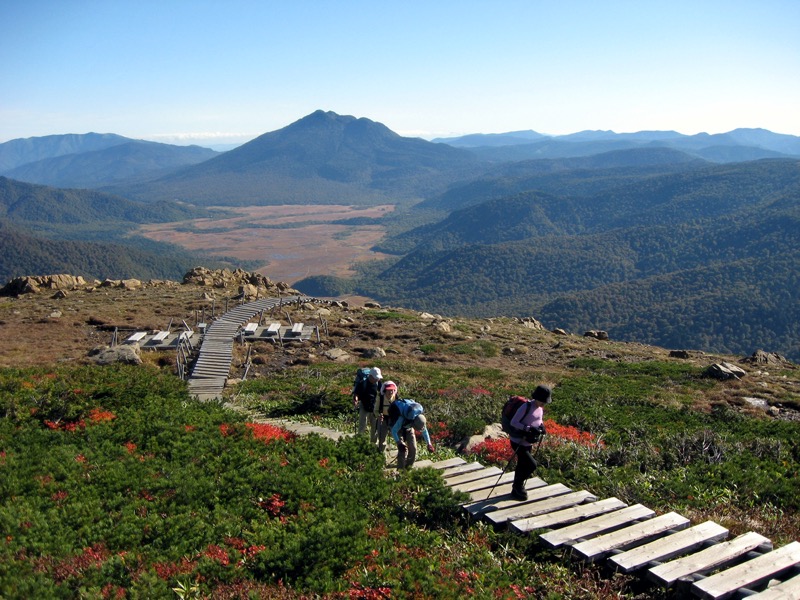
point(212, 367)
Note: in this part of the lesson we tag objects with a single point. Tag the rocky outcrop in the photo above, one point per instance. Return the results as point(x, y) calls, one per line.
point(724, 371)
point(34, 284)
point(596, 334)
point(531, 323)
point(760, 357)
point(247, 285)
point(129, 354)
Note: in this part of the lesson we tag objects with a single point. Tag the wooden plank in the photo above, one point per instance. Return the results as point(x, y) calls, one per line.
point(500, 490)
point(754, 572)
point(597, 525)
point(567, 516)
point(786, 590)
point(706, 560)
point(600, 546)
point(534, 495)
point(136, 337)
point(160, 336)
point(444, 464)
point(529, 509)
point(273, 328)
point(670, 546)
point(297, 328)
point(487, 483)
point(456, 480)
point(250, 327)
point(459, 469)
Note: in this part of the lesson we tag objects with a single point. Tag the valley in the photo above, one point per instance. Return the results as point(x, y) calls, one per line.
point(292, 242)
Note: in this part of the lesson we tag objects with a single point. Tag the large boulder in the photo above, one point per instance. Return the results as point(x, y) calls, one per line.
point(129, 354)
point(724, 371)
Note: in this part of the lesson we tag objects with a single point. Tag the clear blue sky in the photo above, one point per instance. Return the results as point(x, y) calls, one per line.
point(182, 71)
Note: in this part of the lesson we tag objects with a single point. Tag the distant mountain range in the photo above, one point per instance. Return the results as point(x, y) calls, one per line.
point(680, 241)
point(734, 146)
point(93, 160)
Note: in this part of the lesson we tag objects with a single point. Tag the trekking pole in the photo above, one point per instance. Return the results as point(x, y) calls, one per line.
point(508, 464)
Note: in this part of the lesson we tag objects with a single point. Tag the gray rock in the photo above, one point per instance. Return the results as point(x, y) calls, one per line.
point(124, 353)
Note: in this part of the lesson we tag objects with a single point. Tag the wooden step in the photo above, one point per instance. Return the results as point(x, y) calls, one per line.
point(786, 590)
point(669, 546)
point(600, 546)
point(710, 558)
point(597, 525)
point(755, 572)
point(459, 469)
point(485, 483)
point(486, 472)
point(534, 495)
point(441, 464)
point(566, 516)
point(501, 490)
point(559, 501)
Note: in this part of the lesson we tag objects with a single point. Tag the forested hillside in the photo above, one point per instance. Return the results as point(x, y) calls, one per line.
point(22, 255)
point(27, 203)
point(45, 230)
point(705, 259)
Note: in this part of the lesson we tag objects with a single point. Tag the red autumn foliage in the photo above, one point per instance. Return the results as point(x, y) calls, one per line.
point(217, 554)
point(499, 450)
point(167, 571)
point(60, 496)
point(91, 558)
point(272, 505)
point(98, 415)
point(266, 432)
point(360, 592)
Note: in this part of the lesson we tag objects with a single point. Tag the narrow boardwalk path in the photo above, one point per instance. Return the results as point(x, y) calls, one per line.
point(668, 550)
point(213, 364)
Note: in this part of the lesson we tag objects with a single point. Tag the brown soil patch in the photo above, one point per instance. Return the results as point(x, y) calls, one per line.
point(315, 246)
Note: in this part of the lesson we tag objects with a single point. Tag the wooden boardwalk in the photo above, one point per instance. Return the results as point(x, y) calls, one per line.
point(212, 367)
point(668, 550)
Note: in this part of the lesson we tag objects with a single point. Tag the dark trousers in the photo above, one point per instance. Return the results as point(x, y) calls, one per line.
point(526, 464)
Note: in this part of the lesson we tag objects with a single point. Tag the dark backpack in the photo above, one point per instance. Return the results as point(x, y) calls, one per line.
point(361, 387)
point(510, 408)
point(361, 377)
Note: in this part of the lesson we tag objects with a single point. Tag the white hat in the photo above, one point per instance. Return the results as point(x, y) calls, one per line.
point(375, 373)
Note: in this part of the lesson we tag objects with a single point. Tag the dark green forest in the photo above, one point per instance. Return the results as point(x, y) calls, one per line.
point(45, 230)
point(22, 255)
point(703, 259)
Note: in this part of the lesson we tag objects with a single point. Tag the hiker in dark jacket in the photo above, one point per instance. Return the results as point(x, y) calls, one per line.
point(364, 396)
point(405, 416)
point(528, 421)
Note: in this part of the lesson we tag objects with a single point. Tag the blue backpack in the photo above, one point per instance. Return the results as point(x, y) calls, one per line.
point(406, 408)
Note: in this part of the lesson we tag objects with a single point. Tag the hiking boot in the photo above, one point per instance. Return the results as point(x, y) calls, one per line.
point(519, 493)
